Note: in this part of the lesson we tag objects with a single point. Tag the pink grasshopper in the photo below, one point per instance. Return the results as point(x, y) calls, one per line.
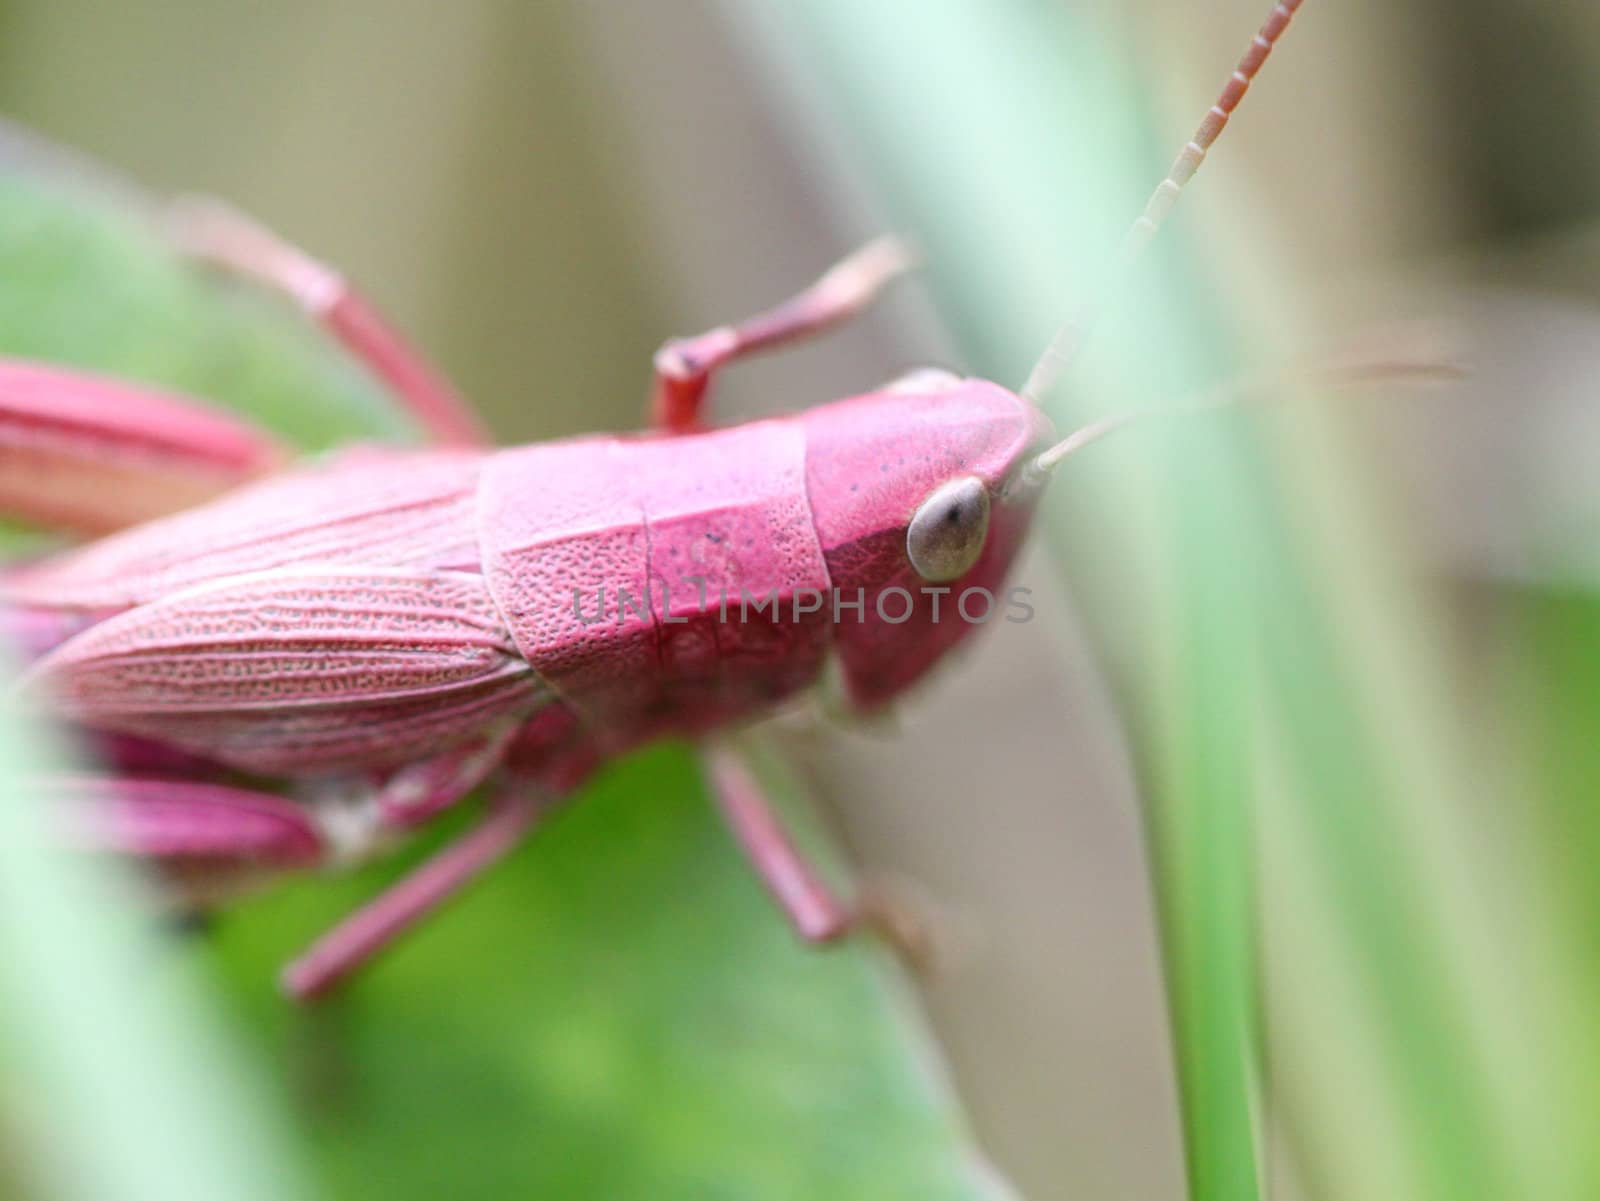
point(370, 639)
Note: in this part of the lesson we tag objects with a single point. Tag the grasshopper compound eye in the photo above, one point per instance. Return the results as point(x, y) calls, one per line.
point(946, 535)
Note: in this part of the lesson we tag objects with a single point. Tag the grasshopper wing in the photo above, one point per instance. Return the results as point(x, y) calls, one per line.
point(300, 670)
point(401, 509)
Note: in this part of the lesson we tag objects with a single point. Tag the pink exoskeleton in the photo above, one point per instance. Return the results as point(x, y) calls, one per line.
point(287, 666)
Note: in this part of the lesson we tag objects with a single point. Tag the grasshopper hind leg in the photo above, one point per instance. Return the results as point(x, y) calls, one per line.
point(207, 840)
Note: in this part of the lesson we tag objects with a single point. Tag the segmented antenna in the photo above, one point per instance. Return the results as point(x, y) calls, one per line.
point(1418, 356)
point(1070, 337)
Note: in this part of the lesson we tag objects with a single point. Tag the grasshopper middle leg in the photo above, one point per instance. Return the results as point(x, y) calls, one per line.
point(214, 233)
point(366, 932)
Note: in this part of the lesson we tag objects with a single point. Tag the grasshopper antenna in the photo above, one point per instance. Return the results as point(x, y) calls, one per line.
point(1418, 356)
point(1069, 339)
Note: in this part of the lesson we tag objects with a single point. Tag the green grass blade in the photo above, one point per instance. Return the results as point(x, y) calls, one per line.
point(992, 175)
point(127, 1083)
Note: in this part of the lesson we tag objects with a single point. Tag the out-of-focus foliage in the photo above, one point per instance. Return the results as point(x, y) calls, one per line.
point(115, 1078)
point(87, 283)
point(1353, 967)
point(619, 1012)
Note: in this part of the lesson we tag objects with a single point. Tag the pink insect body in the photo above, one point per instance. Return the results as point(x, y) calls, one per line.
point(376, 635)
point(408, 602)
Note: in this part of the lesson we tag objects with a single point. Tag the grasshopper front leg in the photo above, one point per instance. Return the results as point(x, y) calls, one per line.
point(684, 366)
point(814, 912)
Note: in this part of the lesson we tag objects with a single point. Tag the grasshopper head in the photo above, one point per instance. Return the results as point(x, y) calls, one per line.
point(916, 497)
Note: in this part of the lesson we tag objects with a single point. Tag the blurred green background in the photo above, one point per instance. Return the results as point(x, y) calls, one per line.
point(1264, 855)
